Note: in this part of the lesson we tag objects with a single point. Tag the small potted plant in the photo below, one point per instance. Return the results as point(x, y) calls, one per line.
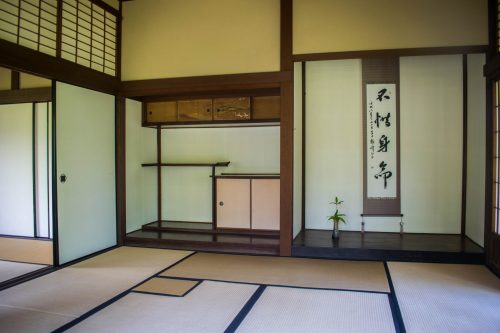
point(336, 217)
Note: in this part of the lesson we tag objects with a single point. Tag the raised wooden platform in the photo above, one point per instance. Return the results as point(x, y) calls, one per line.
point(387, 246)
point(200, 240)
point(204, 228)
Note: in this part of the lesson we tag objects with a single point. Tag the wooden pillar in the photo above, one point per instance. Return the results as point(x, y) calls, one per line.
point(286, 129)
point(121, 212)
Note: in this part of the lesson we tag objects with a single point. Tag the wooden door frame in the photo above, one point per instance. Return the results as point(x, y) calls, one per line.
point(492, 74)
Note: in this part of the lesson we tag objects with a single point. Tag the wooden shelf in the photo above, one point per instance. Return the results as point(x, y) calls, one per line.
point(216, 164)
point(249, 175)
point(382, 215)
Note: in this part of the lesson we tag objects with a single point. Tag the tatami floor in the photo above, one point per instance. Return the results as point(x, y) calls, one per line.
point(131, 289)
point(22, 256)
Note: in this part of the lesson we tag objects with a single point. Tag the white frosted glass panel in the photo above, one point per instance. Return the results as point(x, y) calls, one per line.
point(86, 155)
point(16, 170)
point(297, 150)
point(43, 149)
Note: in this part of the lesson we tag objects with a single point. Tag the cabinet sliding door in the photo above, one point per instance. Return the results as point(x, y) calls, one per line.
point(85, 171)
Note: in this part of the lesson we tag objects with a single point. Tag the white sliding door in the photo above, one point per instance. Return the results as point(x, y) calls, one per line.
point(85, 141)
point(42, 164)
point(16, 170)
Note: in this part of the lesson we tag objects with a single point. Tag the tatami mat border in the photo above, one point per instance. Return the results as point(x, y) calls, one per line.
point(114, 299)
point(49, 269)
point(245, 310)
point(393, 302)
point(26, 277)
point(395, 311)
point(276, 285)
point(25, 262)
point(169, 295)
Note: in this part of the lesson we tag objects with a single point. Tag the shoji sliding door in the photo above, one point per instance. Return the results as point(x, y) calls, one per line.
point(16, 170)
point(85, 145)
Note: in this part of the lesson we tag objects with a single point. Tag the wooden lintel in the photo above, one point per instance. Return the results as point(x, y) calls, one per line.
point(230, 83)
point(364, 54)
point(30, 61)
point(31, 95)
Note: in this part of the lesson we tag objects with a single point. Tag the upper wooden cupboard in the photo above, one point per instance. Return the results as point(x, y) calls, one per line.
point(231, 109)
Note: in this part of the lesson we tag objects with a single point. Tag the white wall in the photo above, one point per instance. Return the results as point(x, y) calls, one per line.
point(16, 170)
point(297, 150)
point(431, 151)
point(187, 191)
point(334, 146)
point(476, 148)
point(431, 143)
point(140, 147)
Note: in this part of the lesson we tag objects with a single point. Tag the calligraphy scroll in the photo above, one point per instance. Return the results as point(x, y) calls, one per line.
point(381, 137)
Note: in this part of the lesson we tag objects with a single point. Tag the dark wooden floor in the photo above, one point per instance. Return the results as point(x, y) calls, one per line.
point(204, 242)
point(387, 246)
point(319, 244)
point(387, 241)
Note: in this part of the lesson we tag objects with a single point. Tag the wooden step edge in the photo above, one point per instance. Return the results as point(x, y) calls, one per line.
point(226, 247)
point(263, 234)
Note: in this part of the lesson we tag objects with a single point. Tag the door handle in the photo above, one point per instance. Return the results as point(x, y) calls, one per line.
point(63, 178)
point(221, 203)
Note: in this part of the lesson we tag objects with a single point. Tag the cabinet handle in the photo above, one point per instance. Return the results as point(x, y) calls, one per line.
point(221, 203)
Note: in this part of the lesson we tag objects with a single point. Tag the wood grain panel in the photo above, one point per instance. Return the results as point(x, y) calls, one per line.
point(195, 110)
point(266, 107)
point(232, 108)
point(159, 112)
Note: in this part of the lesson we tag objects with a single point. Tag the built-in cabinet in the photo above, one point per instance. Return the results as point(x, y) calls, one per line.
point(248, 203)
point(227, 109)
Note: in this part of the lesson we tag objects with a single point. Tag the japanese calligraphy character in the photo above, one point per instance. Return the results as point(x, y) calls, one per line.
point(383, 174)
point(382, 95)
point(383, 142)
point(385, 119)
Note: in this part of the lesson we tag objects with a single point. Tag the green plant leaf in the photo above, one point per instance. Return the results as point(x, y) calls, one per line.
point(337, 216)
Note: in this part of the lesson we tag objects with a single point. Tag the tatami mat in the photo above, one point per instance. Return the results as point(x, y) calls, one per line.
point(447, 298)
point(26, 250)
point(305, 310)
point(74, 290)
point(312, 273)
point(25, 320)
point(10, 269)
point(210, 307)
point(165, 286)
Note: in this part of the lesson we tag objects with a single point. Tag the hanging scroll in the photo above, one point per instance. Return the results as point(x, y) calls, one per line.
point(381, 137)
point(381, 134)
